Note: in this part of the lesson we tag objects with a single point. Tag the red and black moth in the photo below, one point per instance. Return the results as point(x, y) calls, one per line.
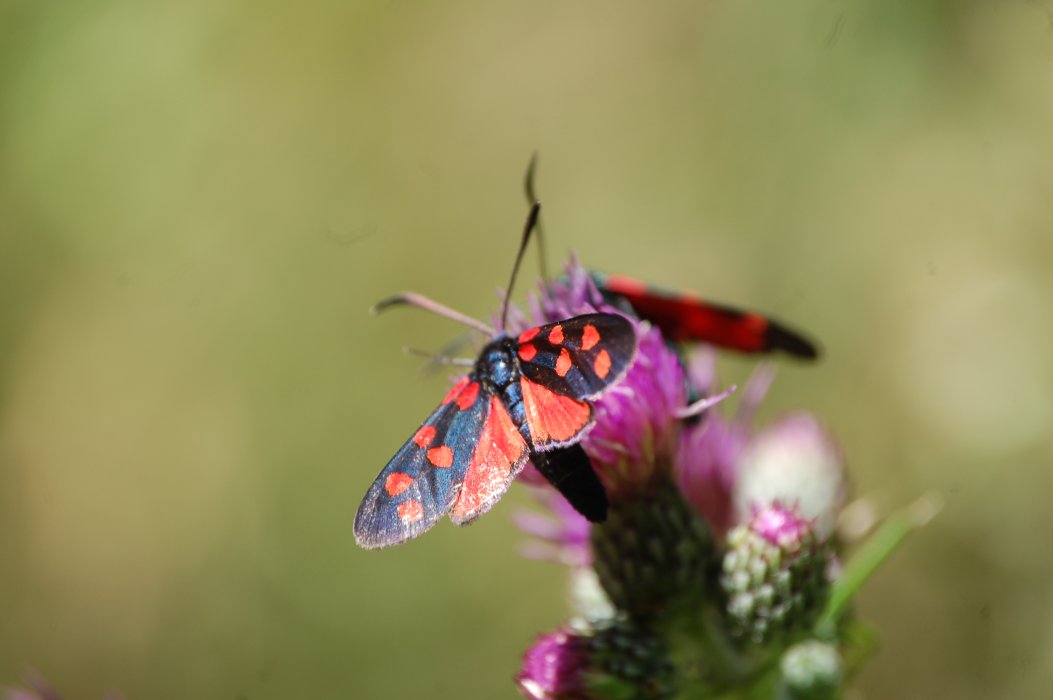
point(684, 317)
point(526, 397)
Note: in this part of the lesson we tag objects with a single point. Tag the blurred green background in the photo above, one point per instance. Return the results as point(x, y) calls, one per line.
point(200, 200)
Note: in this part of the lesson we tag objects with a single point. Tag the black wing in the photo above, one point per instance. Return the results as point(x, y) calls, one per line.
point(579, 357)
point(421, 482)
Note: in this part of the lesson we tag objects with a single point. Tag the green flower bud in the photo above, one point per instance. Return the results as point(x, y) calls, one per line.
point(619, 661)
point(774, 576)
point(652, 552)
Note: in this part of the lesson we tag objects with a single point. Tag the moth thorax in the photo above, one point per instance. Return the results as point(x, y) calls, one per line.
point(496, 365)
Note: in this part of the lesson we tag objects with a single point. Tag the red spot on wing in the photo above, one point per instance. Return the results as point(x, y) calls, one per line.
point(497, 454)
point(589, 337)
point(552, 417)
point(563, 363)
point(527, 352)
point(441, 456)
point(455, 390)
point(467, 397)
point(397, 483)
point(528, 335)
point(424, 436)
point(411, 511)
point(602, 364)
point(555, 336)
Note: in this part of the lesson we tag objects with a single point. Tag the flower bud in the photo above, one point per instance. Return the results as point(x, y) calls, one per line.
point(811, 670)
point(652, 552)
point(774, 575)
point(794, 461)
point(617, 661)
point(554, 668)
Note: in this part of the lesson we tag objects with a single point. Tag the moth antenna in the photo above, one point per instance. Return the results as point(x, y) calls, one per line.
point(438, 358)
point(531, 195)
point(450, 349)
point(423, 302)
point(535, 210)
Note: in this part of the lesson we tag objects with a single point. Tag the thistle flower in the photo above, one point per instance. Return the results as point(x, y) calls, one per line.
point(718, 550)
point(615, 661)
point(794, 461)
point(555, 667)
point(654, 547)
point(710, 451)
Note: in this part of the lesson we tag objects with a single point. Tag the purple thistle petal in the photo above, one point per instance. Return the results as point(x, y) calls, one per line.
point(754, 392)
point(572, 295)
point(710, 452)
point(553, 667)
point(637, 428)
point(699, 407)
point(530, 475)
point(780, 525)
point(617, 659)
point(39, 689)
point(16, 694)
point(707, 466)
point(562, 537)
point(702, 369)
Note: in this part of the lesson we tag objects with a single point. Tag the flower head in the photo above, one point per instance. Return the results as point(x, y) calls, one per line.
point(615, 660)
point(710, 451)
point(717, 552)
point(554, 668)
point(794, 461)
point(673, 483)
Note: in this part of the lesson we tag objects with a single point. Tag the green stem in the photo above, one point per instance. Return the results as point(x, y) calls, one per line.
point(871, 555)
